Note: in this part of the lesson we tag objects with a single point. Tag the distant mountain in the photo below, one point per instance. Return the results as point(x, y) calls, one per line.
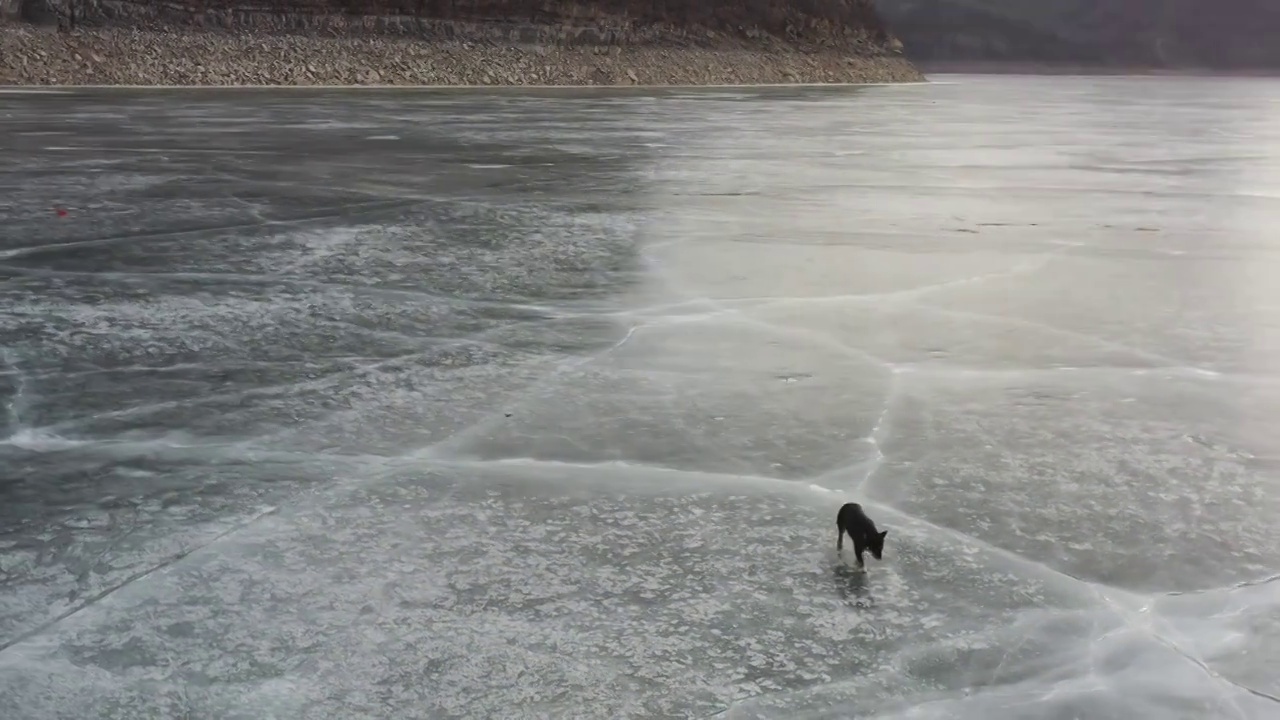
point(1223, 34)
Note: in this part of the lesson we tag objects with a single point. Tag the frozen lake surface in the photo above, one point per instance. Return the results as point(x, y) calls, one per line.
point(394, 404)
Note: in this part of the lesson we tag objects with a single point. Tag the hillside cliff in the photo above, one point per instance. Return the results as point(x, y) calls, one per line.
point(1225, 34)
point(848, 23)
point(447, 42)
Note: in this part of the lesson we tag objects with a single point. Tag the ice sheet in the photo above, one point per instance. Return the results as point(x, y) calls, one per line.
point(452, 404)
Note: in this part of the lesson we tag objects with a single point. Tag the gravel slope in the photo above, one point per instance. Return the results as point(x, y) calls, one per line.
point(113, 56)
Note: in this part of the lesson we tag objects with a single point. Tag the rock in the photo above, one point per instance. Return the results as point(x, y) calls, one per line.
point(134, 56)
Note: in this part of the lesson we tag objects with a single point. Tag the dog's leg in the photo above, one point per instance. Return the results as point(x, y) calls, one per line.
point(839, 539)
point(858, 549)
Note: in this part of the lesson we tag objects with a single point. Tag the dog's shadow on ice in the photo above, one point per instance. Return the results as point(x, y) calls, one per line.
point(853, 585)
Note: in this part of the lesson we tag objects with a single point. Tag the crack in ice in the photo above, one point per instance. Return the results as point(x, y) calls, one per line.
point(1071, 334)
point(906, 294)
point(131, 579)
point(528, 395)
point(298, 282)
point(269, 391)
point(1236, 586)
point(343, 212)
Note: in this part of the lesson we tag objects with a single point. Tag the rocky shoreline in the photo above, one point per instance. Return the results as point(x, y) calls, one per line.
point(42, 56)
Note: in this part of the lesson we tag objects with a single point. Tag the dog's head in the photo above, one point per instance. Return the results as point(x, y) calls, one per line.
point(876, 546)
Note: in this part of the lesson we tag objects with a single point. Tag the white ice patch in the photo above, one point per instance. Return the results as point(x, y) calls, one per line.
point(40, 441)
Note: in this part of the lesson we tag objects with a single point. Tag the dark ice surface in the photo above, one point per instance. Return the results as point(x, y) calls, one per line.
point(446, 404)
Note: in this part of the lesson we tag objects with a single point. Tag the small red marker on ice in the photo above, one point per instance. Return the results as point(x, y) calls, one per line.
point(62, 212)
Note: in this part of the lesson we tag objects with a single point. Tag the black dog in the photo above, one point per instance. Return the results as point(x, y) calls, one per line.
point(861, 531)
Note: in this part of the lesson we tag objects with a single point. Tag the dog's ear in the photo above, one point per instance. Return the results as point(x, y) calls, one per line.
point(886, 532)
